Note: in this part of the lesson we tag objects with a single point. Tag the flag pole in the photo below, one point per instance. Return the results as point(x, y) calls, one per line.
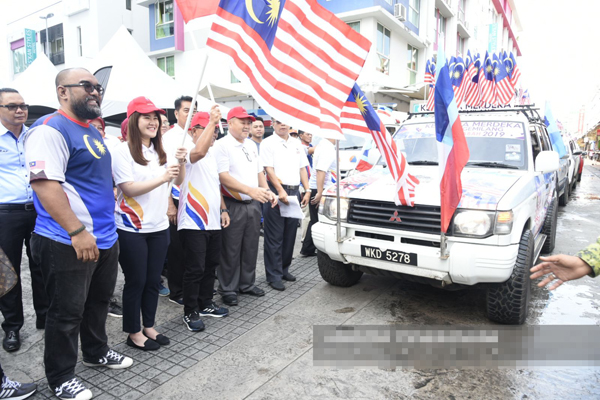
point(337, 191)
point(212, 98)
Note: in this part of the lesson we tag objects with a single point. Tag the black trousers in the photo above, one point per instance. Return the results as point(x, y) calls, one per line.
point(201, 255)
point(175, 261)
point(279, 239)
point(308, 246)
point(16, 228)
point(141, 258)
point(79, 294)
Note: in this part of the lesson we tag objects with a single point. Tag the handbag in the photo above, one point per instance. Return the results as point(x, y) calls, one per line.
point(8, 276)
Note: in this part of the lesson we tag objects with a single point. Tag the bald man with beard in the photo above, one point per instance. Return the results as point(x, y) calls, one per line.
point(75, 239)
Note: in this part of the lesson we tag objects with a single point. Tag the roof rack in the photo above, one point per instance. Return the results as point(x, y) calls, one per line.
point(528, 110)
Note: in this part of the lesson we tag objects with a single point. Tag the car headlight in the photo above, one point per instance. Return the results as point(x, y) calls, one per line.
point(482, 223)
point(328, 207)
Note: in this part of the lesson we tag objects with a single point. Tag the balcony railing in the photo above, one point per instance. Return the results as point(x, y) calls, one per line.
point(57, 58)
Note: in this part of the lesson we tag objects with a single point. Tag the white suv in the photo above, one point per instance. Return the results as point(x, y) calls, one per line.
point(506, 217)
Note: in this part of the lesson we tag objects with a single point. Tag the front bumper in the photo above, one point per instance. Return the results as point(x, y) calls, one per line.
point(468, 263)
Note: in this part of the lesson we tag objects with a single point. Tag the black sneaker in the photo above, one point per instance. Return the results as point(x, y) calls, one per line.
point(16, 390)
point(115, 309)
point(112, 360)
point(176, 301)
point(72, 389)
point(214, 311)
point(193, 322)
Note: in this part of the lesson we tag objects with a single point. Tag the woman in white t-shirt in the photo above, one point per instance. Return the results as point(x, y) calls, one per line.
point(142, 175)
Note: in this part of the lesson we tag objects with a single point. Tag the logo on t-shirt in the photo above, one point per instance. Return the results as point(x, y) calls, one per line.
point(99, 147)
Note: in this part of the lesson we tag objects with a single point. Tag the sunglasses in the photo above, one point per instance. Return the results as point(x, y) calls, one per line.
point(88, 87)
point(13, 107)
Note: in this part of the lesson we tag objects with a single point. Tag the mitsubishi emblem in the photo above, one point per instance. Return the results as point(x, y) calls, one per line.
point(395, 217)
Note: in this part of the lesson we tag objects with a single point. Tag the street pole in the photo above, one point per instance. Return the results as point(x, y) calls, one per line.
point(47, 48)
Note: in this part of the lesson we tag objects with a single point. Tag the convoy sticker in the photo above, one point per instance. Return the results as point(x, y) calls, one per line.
point(491, 129)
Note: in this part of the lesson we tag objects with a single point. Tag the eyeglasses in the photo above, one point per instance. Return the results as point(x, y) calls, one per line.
point(13, 107)
point(247, 154)
point(88, 87)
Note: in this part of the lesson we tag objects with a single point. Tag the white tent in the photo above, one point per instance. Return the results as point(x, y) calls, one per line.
point(36, 83)
point(133, 74)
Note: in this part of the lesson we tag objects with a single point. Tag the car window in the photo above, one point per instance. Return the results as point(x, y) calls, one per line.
point(501, 142)
point(544, 138)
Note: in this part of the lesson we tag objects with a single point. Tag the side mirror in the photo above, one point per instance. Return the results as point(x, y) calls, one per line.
point(547, 161)
point(578, 152)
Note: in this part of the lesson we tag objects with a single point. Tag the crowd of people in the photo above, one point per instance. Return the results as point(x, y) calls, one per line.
point(160, 201)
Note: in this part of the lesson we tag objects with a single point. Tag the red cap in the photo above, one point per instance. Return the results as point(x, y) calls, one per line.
point(124, 128)
point(143, 105)
point(99, 119)
point(239, 112)
point(200, 118)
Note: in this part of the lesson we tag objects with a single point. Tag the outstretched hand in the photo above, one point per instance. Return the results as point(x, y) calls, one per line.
point(559, 269)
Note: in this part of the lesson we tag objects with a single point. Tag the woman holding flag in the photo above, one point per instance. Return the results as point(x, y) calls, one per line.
point(142, 174)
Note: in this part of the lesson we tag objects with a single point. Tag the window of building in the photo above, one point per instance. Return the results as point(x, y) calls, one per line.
point(440, 30)
point(234, 79)
point(56, 51)
point(383, 48)
point(412, 63)
point(79, 41)
point(19, 60)
point(413, 12)
point(390, 2)
point(128, 5)
point(461, 10)
point(164, 18)
point(460, 46)
point(167, 64)
point(355, 25)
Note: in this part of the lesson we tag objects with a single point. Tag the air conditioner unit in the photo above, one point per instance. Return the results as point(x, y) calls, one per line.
point(400, 12)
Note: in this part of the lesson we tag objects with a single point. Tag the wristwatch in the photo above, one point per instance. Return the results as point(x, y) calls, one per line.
point(224, 210)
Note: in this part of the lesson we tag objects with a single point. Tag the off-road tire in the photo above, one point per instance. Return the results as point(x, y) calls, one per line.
point(564, 199)
point(549, 228)
point(335, 272)
point(509, 302)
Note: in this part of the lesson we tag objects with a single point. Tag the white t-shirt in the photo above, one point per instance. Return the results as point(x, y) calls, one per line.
point(171, 141)
point(241, 161)
point(148, 212)
point(323, 160)
point(200, 201)
point(285, 156)
point(111, 143)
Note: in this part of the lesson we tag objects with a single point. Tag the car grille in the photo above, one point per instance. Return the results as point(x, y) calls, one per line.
point(424, 219)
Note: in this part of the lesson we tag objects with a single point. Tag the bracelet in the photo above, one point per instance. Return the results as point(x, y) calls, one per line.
point(77, 231)
point(224, 210)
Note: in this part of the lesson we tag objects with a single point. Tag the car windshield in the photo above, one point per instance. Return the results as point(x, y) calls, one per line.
point(353, 141)
point(492, 144)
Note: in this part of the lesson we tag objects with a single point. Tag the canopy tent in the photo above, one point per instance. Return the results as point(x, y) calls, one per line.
point(36, 85)
point(127, 72)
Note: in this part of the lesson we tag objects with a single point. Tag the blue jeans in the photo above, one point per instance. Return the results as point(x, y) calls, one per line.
point(79, 294)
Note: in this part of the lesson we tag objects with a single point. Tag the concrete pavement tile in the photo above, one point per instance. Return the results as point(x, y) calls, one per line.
point(125, 375)
point(176, 370)
point(151, 373)
point(211, 348)
point(188, 362)
point(177, 347)
point(132, 395)
point(164, 365)
point(138, 368)
point(119, 390)
point(105, 396)
point(178, 358)
point(199, 355)
point(136, 381)
point(98, 379)
point(147, 387)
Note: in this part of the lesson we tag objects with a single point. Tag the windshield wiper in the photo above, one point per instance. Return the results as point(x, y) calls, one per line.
point(351, 148)
point(492, 164)
point(422, 162)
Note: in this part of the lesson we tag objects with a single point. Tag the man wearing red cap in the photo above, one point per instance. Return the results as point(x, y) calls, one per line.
point(202, 213)
point(244, 186)
point(75, 237)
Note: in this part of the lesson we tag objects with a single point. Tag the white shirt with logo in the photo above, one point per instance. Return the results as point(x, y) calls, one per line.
point(323, 160)
point(200, 200)
point(148, 212)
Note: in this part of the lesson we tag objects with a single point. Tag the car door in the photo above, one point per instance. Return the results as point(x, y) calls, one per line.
point(544, 183)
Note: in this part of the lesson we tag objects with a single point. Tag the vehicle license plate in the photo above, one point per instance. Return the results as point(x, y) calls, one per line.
point(389, 255)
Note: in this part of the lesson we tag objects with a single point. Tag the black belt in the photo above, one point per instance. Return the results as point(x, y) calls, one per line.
point(240, 201)
point(18, 207)
point(290, 188)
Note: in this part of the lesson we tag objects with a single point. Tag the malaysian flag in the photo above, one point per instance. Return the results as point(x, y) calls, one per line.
point(430, 72)
point(298, 59)
point(486, 81)
point(457, 77)
point(473, 91)
point(504, 88)
point(453, 152)
point(191, 9)
point(405, 182)
point(516, 72)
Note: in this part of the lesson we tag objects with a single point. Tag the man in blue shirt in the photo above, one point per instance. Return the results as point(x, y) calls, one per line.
point(75, 238)
point(17, 217)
